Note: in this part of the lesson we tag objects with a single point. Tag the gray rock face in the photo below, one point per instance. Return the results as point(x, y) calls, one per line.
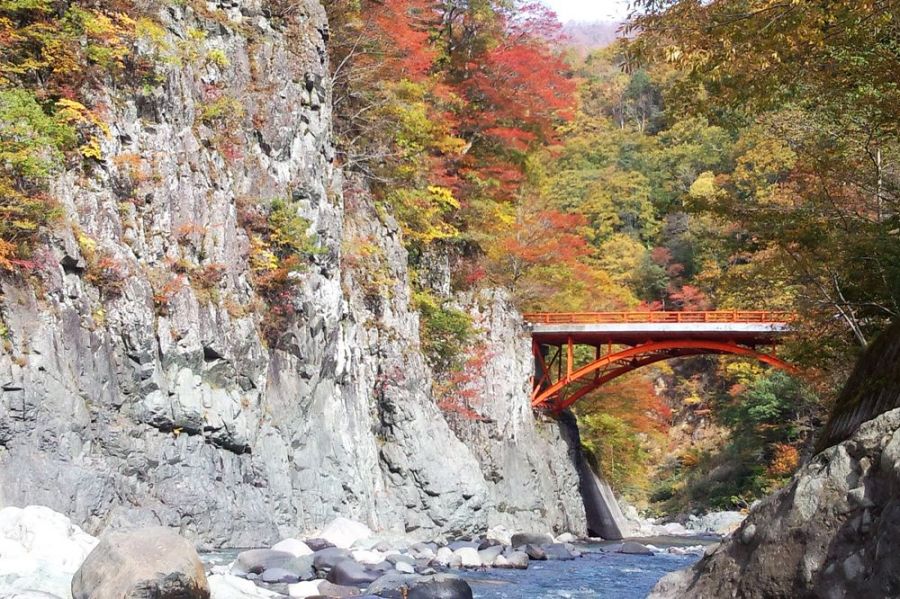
point(147, 563)
point(525, 460)
point(831, 533)
point(161, 401)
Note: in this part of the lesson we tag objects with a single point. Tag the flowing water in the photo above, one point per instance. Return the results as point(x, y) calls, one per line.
point(594, 576)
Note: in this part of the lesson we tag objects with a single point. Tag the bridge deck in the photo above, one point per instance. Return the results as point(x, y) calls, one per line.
point(631, 328)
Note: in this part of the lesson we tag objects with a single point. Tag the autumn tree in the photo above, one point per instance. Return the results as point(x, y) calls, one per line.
point(814, 193)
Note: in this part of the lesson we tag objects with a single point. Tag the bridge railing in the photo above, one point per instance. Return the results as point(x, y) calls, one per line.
point(717, 316)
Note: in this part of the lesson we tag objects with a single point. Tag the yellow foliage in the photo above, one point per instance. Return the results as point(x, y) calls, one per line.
point(261, 257)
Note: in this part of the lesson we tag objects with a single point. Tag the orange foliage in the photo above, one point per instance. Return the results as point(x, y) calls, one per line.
point(632, 399)
point(785, 460)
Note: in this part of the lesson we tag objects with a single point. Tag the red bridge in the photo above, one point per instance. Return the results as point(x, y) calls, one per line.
point(635, 339)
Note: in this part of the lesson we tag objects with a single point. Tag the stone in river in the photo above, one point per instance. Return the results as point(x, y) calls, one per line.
point(517, 560)
point(468, 557)
point(302, 590)
point(440, 586)
point(279, 575)
point(349, 573)
point(257, 561)
point(301, 567)
point(558, 551)
point(226, 586)
point(534, 552)
point(326, 559)
point(393, 585)
point(634, 548)
point(328, 589)
point(443, 556)
point(490, 554)
point(530, 538)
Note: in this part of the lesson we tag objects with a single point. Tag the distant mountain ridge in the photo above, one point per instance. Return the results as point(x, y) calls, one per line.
point(588, 36)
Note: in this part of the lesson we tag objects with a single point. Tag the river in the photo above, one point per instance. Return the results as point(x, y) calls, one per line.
point(596, 575)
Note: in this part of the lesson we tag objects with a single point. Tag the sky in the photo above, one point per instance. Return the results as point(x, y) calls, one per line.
point(589, 10)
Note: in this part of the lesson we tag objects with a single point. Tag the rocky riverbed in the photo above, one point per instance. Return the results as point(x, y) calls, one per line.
point(43, 554)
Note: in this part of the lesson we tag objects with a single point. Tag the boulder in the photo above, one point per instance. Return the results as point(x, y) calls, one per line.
point(349, 573)
point(326, 559)
point(490, 554)
point(558, 551)
point(328, 589)
point(393, 585)
point(395, 558)
point(343, 532)
point(501, 534)
point(440, 586)
point(295, 547)
point(405, 568)
point(517, 560)
point(566, 537)
point(257, 561)
point(443, 556)
point(534, 552)
point(144, 563)
point(40, 551)
point(468, 557)
point(226, 586)
point(814, 537)
point(302, 590)
point(318, 544)
point(634, 548)
point(530, 538)
point(279, 575)
point(301, 567)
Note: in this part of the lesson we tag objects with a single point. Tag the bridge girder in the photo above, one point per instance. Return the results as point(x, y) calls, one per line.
point(576, 383)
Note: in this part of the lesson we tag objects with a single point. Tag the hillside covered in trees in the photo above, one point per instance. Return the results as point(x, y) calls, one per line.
point(726, 155)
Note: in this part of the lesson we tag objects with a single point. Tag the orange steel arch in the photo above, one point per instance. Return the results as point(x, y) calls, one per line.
point(633, 358)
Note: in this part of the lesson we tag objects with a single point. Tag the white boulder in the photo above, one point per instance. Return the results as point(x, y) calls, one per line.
point(40, 550)
point(302, 590)
point(468, 557)
point(566, 537)
point(443, 556)
point(501, 534)
point(343, 532)
point(295, 547)
point(226, 586)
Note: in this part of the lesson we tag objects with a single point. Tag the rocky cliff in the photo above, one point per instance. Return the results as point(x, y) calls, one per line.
point(145, 380)
point(831, 532)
